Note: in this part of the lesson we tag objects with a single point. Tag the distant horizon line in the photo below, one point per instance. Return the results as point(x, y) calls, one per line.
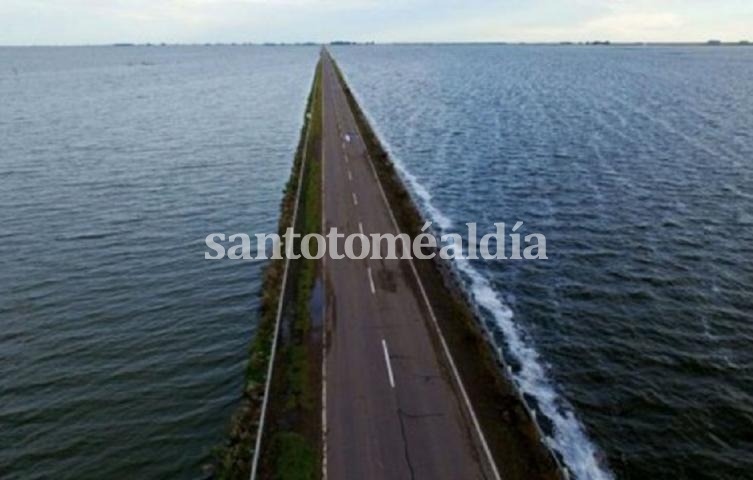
point(711, 42)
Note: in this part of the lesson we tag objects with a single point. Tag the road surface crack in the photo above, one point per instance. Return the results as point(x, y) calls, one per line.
point(405, 444)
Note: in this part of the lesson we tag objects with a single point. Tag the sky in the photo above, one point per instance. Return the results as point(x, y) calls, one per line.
point(65, 22)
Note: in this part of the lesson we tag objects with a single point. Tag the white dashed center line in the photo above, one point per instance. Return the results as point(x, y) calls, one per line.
point(371, 281)
point(387, 361)
point(355, 199)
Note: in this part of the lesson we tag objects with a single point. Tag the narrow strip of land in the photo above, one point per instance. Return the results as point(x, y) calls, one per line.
point(414, 422)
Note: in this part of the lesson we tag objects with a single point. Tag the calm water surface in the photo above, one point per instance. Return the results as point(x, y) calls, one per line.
point(121, 349)
point(635, 339)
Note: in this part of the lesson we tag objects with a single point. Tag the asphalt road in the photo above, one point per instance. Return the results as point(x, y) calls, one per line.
point(392, 407)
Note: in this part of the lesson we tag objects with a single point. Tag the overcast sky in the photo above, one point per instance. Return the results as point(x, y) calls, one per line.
point(25, 22)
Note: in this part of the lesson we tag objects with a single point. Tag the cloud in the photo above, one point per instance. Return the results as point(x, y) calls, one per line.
point(635, 25)
point(97, 21)
point(584, 20)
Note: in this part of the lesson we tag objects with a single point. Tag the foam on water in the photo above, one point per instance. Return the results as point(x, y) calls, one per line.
point(569, 436)
point(435, 215)
point(570, 439)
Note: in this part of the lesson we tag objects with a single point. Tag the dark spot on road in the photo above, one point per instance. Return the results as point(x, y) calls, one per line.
point(386, 280)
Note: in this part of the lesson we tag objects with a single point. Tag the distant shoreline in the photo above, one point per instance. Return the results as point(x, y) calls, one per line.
point(595, 43)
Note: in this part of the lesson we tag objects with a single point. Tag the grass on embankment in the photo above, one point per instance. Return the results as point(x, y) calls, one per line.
point(507, 425)
point(294, 448)
point(291, 442)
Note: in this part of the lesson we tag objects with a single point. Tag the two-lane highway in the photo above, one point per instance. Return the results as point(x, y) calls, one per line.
point(393, 407)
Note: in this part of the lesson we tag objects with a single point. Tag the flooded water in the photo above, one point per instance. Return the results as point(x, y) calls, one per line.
point(634, 339)
point(121, 348)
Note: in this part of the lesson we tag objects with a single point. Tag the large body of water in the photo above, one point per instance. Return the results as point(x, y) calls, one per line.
point(635, 338)
point(121, 349)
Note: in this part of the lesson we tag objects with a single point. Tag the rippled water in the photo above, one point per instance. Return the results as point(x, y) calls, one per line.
point(635, 337)
point(121, 348)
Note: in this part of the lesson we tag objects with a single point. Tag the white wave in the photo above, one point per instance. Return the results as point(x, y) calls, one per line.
point(435, 215)
point(570, 439)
